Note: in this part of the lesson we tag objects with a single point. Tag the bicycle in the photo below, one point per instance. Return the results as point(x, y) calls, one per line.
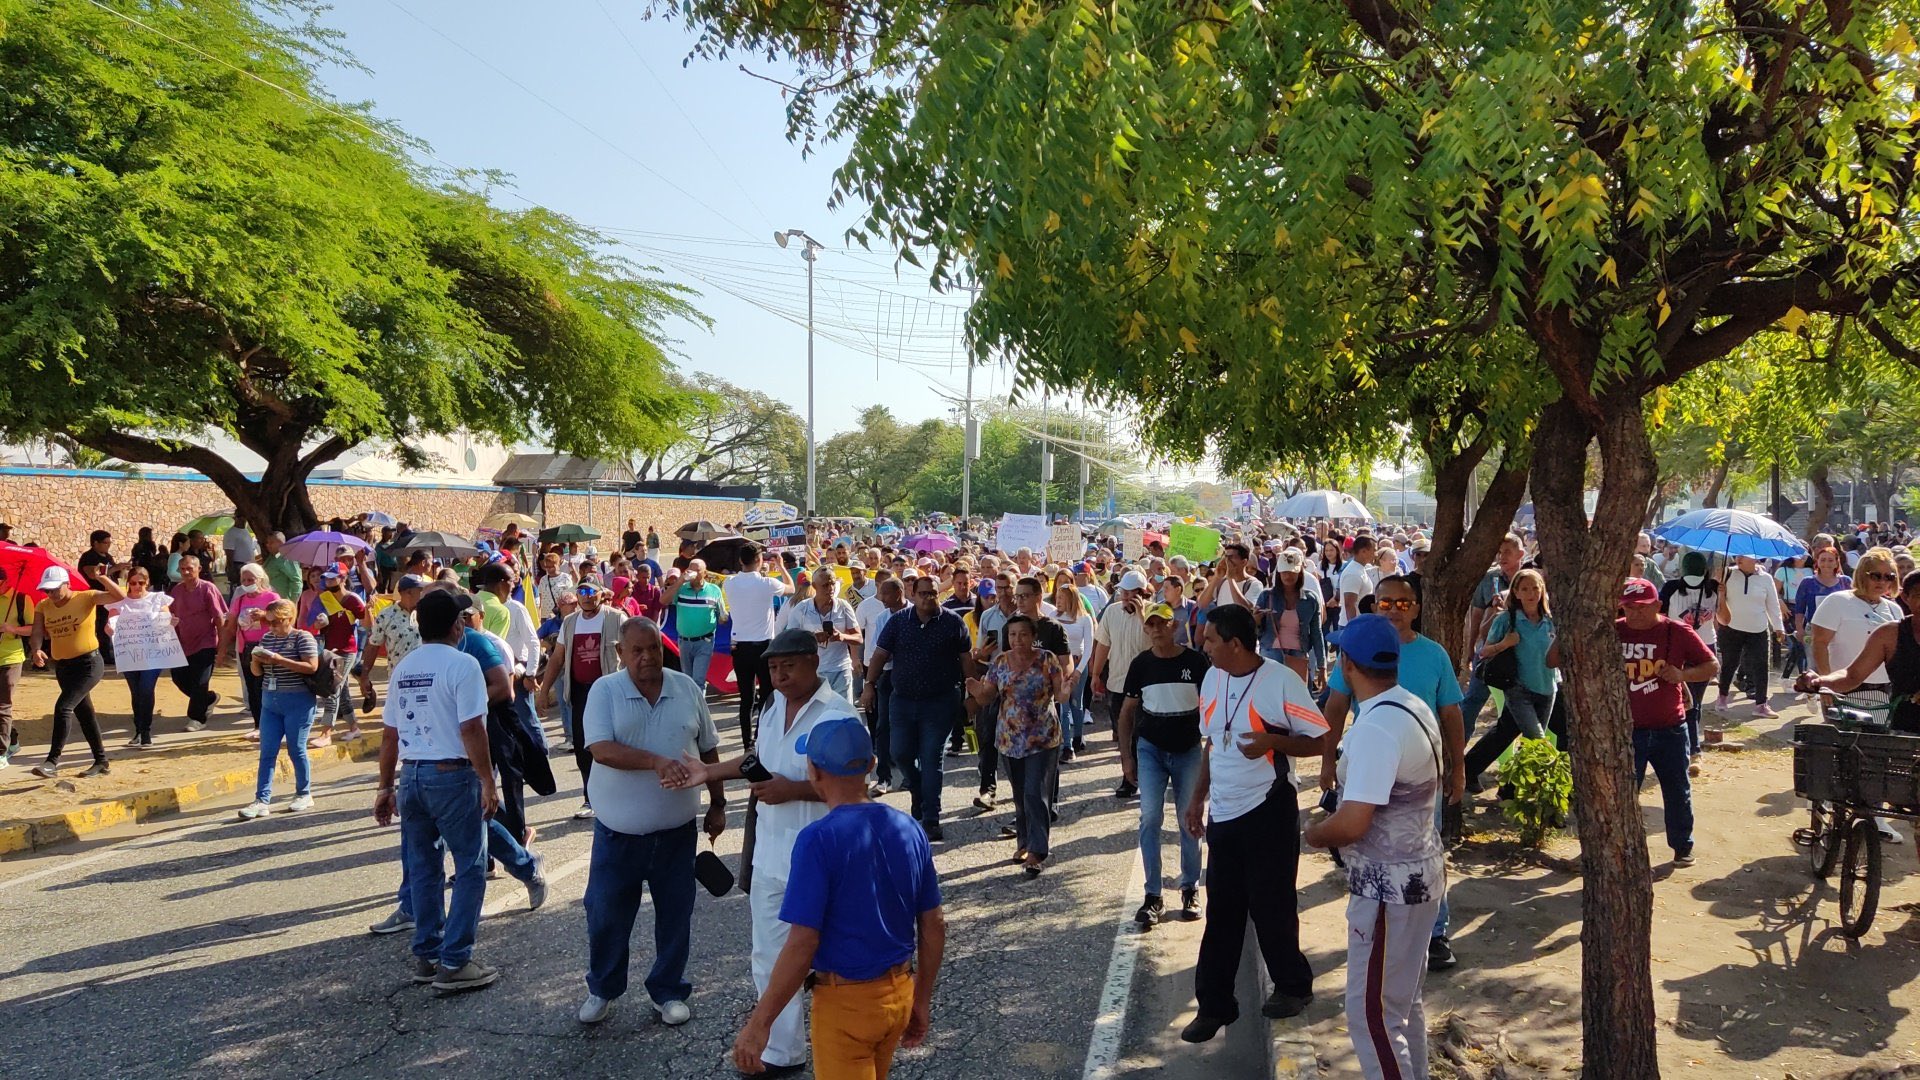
point(1853, 770)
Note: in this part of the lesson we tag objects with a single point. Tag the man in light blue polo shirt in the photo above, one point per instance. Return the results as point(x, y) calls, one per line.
point(640, 722)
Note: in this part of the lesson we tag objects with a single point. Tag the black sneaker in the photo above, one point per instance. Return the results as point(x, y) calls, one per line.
point(98, 768)
point(1130, 790)
point(1079, 746)
point(1280, 1006)
point(934, 833)
point(1007, 833)
point(1150, 912)
point(983, 801)
point(1202, 1029)
point(1190, 904)
point(1440, 954)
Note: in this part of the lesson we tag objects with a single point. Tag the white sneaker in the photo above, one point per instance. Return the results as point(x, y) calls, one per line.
point(196, 725)
point(254, 809)
point(1887, 832)
point(673, 1013)
point(594, 1009)
point(299, 803)
point(585, 813)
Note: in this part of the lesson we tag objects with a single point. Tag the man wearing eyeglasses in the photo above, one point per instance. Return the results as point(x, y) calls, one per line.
point(1426, 672)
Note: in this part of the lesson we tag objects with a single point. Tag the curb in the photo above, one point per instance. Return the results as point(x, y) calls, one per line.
point(1290, 1052)
point(32, 834)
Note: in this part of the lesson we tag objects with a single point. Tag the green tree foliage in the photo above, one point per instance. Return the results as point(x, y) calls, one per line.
point(1245, 217)
point(730, 435)
point(878, 458)
point(185, 250)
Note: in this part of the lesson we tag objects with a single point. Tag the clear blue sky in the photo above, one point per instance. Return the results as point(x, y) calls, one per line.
point(693, 160)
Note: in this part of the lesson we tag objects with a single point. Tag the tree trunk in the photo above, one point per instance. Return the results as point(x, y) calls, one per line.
point(1716, 482)
point(1460, 556)
point(1820, 508)
point(1585, 565)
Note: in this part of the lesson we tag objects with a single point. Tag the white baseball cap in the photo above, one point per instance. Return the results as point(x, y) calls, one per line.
point(53, 578)
point(1134, 580)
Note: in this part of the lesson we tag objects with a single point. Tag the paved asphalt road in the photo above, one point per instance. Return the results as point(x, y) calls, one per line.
point(211, 946)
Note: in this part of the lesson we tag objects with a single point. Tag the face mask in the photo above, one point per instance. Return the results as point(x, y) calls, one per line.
point(1693, 580)
point(247, 590)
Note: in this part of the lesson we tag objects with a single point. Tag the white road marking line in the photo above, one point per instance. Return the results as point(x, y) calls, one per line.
point(165, 835)
point(1110, 1023)
point(560, 873)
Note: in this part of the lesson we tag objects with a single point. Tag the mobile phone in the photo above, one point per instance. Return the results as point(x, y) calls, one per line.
point(751, 768)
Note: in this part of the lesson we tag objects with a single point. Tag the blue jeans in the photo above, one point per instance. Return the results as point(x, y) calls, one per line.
point(1666, 750)
point(1073, 711)
point(695, 655)
point(288, 715)
point(438, 804)
point(140, 686)
point(623, 864)
point(1157, 767)
point(1473, 702)
point(502, 848)
point(837, 680)
point(1530, 710)
point(920, 727)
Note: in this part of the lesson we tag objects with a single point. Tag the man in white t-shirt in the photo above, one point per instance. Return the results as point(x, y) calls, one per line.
point(1118, 637)
point(749, 595)
point(1256, 716)
point(436, 736)
point(1358, 579)
point(1390, 779)
point(831, 622)
point(239, 545)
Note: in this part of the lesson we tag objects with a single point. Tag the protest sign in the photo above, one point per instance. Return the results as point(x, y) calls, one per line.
point(1196, 542)
point(1065, 544)
point(1133, 545)
point(144, 640)
point(1022, 531)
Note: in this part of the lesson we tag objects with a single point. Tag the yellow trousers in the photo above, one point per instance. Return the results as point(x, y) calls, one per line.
point(858, 1026)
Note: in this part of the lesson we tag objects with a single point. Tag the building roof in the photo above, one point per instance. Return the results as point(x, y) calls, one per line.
point(541, 471)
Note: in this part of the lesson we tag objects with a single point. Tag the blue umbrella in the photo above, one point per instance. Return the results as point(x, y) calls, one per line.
point(1732, 532)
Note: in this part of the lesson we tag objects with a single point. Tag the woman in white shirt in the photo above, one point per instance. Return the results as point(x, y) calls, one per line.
point(1749, 616)
point(1071, 613)
point(1843, 622)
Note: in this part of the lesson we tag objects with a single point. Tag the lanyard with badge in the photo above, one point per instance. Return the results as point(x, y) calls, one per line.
point(1234, 708)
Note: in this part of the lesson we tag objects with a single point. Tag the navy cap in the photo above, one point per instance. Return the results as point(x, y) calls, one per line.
point(412, 581)
point(838, 745)
point(1372, 642)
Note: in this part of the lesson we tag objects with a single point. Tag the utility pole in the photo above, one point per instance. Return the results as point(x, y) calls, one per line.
point(970, 436)
point(809, 251)
point(1046, 458)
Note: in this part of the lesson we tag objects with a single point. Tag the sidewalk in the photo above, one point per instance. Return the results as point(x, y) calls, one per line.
point(181, 769)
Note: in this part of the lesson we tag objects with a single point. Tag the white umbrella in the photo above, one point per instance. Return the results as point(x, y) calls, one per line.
point(1325, 504)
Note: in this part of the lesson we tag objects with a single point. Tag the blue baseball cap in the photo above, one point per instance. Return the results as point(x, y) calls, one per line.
point(838, 745)
point(1372, 642)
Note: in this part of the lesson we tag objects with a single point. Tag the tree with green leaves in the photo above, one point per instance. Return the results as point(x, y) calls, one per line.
point(729, 435)
point(879, 457)
point(195, 241)
point(1256, 209)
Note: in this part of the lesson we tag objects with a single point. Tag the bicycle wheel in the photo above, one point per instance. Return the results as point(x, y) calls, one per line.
point(1860, 877)
point(1823, 837)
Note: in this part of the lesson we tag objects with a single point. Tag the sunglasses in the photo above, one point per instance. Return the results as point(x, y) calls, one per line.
point(1882, 576)
point(1395, 605)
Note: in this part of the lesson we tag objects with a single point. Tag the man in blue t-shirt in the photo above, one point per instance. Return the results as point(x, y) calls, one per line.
point(862, 893)
point(1426, 672)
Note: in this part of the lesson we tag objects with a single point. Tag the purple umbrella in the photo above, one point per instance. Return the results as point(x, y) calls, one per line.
point(320, 548)
point(930, 542)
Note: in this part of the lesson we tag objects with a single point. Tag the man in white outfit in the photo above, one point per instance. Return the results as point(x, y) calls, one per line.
point(786, 803)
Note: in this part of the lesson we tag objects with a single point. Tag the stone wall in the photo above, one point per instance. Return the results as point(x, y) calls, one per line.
point(57, 508)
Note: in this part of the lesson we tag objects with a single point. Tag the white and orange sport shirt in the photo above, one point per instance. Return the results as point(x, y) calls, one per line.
point(1272, 699)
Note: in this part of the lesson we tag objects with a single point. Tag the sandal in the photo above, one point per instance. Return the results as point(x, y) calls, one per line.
point(317, 742)
point(370, 700)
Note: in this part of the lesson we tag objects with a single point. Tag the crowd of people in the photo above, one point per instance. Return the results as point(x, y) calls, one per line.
point(865, 670)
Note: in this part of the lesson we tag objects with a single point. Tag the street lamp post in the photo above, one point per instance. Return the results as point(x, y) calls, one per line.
point(808, 251)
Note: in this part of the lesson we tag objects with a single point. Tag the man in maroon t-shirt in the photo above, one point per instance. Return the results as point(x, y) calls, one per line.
point(1662, 656)
point(337, 614)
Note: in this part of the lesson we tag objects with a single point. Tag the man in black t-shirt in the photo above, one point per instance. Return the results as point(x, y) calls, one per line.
point(1159, 735)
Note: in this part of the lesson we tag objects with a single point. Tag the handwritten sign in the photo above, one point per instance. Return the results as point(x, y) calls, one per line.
point(144, 640)
point(1023, 531)
point(1196, 542)
point(1133, 544)
point(1065, 544)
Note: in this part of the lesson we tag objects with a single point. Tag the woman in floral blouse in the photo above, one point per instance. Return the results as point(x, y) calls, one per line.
point(1027, 681)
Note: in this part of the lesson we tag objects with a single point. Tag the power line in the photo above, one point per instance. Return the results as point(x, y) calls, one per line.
point(569, 117)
